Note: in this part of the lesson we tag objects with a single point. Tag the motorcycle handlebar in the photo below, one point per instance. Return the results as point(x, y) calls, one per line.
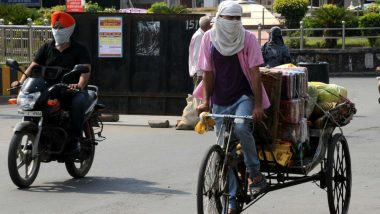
point(62, 86)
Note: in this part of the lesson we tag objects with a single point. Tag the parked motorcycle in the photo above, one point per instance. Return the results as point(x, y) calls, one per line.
point(43, 133)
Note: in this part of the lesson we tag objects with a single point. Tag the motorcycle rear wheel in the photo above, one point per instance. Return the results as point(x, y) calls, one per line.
point(79, 169)
point(22, 167)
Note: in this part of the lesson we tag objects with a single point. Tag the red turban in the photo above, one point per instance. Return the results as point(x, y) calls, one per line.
point(65, 19)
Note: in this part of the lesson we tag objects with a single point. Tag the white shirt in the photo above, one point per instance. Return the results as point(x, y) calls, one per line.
point(194, 46)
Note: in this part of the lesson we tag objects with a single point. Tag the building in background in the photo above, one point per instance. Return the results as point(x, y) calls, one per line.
point(188, 3)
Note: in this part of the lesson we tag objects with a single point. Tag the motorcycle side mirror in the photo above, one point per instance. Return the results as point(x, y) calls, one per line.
point(81, 69)
point(13, 64)
point(78, 69)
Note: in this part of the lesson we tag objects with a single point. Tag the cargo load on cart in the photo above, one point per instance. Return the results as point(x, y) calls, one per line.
point(299, 112)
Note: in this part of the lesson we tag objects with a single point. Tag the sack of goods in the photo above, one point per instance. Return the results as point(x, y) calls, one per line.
point(190, 115)
point(329, 98)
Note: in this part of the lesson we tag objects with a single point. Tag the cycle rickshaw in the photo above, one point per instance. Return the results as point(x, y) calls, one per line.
point(328, 149)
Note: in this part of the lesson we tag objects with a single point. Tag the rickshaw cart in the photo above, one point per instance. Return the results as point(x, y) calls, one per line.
point(328, 149)
point(330, 152)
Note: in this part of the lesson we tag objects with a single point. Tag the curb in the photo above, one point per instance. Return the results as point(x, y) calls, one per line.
point(4, 99)
point(355, 74)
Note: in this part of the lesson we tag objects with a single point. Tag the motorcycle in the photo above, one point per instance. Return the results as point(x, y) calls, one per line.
point(43, 133)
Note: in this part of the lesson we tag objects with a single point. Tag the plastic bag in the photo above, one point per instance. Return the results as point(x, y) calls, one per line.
point(204, 124)
point(190, 115)
point(329, 93)
point(311, 100)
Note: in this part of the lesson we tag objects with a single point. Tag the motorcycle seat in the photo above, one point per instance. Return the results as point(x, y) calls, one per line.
point(92, 97)
point(92, 88)
point(92, 91)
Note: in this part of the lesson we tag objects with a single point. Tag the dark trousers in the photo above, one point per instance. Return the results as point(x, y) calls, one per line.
point(77, 109)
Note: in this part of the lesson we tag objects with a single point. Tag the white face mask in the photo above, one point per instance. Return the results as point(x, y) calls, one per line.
point(231, 27)
point(228, 36)
point(62, 36)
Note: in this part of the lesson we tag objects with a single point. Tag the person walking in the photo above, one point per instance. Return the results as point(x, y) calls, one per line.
point(230, 57)
point(195, 43)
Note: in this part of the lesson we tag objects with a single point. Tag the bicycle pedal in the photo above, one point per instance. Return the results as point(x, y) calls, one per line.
point(252, 194)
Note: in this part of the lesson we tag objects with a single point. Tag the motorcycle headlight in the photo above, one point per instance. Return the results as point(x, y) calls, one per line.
point(27, 101)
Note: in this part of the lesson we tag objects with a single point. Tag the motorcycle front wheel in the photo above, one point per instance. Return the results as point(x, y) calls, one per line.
point(22, 167)
point(79, 168)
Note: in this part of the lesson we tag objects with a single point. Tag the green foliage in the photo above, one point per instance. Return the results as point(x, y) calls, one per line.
point(370, 20)
point(292, 10)
point(159, 7)
point(352, 22)
point(293, 42)
point(318, 20)
point(46, 13)
point(58, 8)
point(373, 8)
point(163, 8)
point(17, 14)
point(180, 9)
point(310, 22)
point(92, 7)
point(331, 16)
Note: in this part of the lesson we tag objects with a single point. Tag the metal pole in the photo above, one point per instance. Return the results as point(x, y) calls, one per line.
point(46, 33)
point(30, 42)
point(301, 36)
point(343, 35)
point(259, 34)
point(263, 15)
point(3, 37)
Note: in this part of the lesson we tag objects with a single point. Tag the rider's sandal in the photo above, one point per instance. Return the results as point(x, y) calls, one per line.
point(256, 184)
point(231, 211)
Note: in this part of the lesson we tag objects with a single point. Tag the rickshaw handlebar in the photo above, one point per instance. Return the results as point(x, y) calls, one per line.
point(206, 114)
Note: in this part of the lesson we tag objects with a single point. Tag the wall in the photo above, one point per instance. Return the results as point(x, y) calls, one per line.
point(152, 75)
point(341, 61)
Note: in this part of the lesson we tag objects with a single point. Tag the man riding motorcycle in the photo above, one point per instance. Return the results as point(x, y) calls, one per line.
point(65, 52)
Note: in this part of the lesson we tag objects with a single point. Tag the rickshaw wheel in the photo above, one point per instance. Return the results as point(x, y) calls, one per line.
point(211, 184)
point(338, 175)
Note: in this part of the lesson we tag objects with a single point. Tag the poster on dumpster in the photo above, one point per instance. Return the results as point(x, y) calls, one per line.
point(147, 38)
point(75, 5)
point(110, 36)
point(27, 3)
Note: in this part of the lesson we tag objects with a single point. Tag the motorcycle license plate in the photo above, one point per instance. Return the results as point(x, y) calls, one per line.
point(30, 113)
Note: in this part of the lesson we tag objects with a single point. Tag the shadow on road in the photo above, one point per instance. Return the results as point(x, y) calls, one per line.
point(105, 185)
point(9, 116)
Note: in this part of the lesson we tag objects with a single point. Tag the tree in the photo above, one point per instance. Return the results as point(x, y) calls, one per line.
point(163, 8)
point(367, 21)
point(292, 10)
point(331, 16)
point(17, 14)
